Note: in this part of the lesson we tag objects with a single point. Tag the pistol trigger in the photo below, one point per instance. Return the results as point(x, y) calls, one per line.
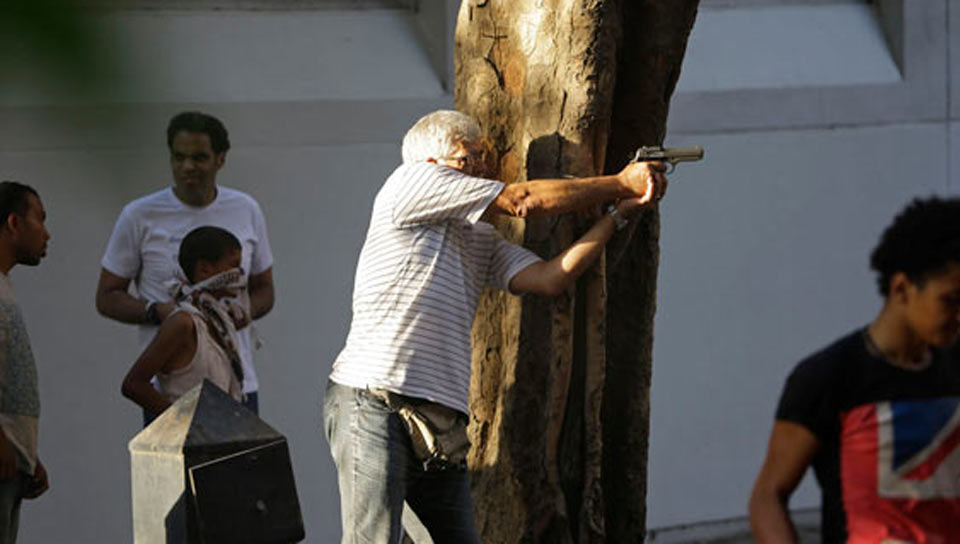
point(671, 168)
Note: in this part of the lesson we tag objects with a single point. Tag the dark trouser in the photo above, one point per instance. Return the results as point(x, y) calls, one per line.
point(250, 403)
point(377, 472)
point(11, 492)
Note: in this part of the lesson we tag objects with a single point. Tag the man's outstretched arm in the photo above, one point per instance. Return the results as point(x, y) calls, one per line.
point(556, 275)
point(556, 196)
point(791, 450)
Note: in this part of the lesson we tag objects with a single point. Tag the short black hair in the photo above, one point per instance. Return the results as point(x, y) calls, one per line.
point(209, 244)
point(923, 239)
point(195, 121)
point(14, 199)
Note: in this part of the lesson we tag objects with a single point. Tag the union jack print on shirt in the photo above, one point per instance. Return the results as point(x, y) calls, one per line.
point(900, 471)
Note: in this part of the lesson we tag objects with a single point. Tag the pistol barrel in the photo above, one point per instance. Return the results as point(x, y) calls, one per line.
point(672, 155)
point(681, 154)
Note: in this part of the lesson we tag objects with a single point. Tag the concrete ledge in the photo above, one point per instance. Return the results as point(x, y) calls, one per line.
point(921, 94)
point(733, 531)
point(272, 124)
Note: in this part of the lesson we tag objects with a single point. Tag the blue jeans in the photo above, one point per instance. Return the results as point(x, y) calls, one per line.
point(377, 472)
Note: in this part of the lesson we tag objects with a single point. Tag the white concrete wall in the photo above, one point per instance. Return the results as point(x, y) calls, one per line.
point(765, 246)
point(764, 259)
point(764, 250)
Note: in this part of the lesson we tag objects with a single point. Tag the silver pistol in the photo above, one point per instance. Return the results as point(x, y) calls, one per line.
point(670, 155)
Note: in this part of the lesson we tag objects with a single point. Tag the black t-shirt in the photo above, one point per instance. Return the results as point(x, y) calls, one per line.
point(889, 458)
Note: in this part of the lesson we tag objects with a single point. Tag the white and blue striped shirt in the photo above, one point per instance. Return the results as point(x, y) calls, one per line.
point(423, 266)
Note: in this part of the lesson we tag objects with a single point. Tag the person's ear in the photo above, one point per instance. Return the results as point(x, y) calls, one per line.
point(900, 286)
point(220, 159)
point(13, 222)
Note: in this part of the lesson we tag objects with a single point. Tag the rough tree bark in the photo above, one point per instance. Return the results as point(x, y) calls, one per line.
point(559, 398)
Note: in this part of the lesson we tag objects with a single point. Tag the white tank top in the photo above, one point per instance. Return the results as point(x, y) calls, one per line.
point(209, 362)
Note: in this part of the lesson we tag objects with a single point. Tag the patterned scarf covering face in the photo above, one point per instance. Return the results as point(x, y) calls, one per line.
point(221, 314)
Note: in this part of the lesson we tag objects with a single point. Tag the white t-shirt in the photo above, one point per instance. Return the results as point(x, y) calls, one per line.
point(422, 269)
point(146, 240)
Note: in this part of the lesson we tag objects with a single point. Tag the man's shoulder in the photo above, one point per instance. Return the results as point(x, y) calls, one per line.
point(820, 384)
point(832, 358)
point(149, 202)
point(9, 306)
point(231, 196)
point(420, 172)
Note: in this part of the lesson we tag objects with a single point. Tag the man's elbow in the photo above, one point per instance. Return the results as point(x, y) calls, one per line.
point(541, 278)
point(556, 287)
point(102, 304)
point(106, 306)
point(551, 285)
point(765, 499)
point(128, 387)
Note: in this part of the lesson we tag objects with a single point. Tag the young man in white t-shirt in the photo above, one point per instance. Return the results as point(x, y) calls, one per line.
point(144, 244)
point(425, 261)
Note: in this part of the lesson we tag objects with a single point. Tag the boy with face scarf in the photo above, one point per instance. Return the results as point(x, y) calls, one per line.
point(199, 339)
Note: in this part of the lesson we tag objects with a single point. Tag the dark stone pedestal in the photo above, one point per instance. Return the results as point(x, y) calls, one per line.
point(209, 471)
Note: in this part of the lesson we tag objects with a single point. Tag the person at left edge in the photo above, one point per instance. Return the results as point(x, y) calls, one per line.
point(23, 240)
point(145, 241)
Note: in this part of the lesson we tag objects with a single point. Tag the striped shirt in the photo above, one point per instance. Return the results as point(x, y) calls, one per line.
point(423, 266)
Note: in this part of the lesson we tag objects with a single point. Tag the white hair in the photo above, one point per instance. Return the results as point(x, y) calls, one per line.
point(436, 135)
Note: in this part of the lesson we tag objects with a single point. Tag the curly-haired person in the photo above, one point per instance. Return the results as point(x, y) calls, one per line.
point(877, 413)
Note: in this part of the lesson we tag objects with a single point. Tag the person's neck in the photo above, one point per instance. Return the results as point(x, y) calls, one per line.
point(895, 341)
point(7, 259)
point(197, 199)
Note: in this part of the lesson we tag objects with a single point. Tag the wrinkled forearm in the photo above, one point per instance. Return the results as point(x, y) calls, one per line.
point(556, 196)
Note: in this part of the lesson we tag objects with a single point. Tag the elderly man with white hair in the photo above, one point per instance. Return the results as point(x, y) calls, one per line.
point(396, 402)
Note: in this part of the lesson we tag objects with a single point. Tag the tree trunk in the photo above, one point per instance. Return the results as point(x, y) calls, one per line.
point(559, 399)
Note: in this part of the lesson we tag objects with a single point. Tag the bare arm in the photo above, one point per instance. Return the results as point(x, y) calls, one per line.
point(115, 302)
point(260, 288)
point(790, 452)
point(556, 196)
point(172, 348)
point(556, 275)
